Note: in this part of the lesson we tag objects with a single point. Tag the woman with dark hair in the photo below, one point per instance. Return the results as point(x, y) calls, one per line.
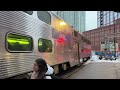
point(39, 69)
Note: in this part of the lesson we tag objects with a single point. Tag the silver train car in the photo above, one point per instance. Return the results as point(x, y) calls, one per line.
point(28, 35)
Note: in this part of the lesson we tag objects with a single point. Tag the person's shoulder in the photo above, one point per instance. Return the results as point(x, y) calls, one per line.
point(50, 70)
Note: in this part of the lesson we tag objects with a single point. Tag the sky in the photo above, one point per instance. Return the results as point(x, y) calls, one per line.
point(91, 20)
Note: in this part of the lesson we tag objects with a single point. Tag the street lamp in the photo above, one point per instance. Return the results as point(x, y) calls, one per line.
point(114, 38)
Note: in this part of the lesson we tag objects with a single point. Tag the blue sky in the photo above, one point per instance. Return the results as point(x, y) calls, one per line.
point(91, 20)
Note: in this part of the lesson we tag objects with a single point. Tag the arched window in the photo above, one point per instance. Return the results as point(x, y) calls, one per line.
point(29, 12)
point(44, 16)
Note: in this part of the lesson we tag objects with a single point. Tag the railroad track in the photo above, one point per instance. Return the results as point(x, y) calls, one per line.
point(70, 72)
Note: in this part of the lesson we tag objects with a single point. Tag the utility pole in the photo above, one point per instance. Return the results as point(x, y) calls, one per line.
point(114, 38)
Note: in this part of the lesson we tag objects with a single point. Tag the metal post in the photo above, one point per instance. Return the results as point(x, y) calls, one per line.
point(106, 43)
point(114, 38)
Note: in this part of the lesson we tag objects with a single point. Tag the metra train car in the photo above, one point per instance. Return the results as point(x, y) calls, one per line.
point(28, 35)
point(85, 49)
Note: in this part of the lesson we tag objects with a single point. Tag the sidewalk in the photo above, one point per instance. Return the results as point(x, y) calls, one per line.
point(95, 58)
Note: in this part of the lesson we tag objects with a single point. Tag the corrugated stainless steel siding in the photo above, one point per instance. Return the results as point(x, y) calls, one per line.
point(17, 21)
point(16, 64)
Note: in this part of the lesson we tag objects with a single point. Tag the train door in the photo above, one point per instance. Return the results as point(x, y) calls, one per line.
point(76, 52)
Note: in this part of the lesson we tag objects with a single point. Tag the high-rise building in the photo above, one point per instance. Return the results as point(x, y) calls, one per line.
point(105, 18)
point(76, 19)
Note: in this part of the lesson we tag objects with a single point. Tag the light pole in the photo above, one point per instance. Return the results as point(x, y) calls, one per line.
point(114, 38)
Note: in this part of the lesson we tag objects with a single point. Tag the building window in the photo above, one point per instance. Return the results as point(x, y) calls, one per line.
point(111, 13)
point(108, 19)
point(18, 43)
point(111, 22)
point(117, 30)
point(112, 28)
point(118, 15)
point(103, 42)
point(105, 21)
point(108, 15)
point(115, 14)
point(44, 45)
point(29, 12)
point(112, 31)
point(102, 33)
point(104, 12)
point(111, 17)
point(98, 24)
point(44, 16)
point(118, 26)
point(107, 11)
point(98, 13)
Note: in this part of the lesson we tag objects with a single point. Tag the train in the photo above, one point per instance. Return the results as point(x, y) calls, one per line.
point(28, 35)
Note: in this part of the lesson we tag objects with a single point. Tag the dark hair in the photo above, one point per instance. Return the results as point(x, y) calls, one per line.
point(42, 68)
point(100, 57)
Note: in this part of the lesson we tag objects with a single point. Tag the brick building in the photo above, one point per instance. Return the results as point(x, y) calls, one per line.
point(97, 36)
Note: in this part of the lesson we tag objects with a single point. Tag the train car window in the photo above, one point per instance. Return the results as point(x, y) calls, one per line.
point(29, 12)
point(44, 16)
point(16, 43)
point(44, 45)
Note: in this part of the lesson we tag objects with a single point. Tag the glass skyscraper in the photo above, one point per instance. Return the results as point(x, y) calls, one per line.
point(76, 19)
point(105, 18)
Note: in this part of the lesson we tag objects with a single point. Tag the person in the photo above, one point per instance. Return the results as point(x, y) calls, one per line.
point(102, 53)
point(49, 72)
point(100, 57)
point(110, 55)
point(117, 54)
point(39, 69)
point(106, 57)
